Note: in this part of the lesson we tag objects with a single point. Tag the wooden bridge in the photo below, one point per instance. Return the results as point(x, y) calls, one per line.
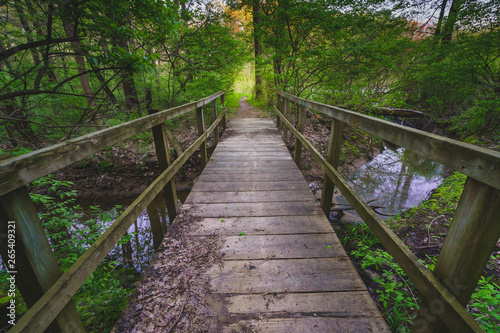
point(275, 239)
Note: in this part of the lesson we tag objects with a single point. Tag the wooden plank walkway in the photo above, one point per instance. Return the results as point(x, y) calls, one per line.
point(284, 269)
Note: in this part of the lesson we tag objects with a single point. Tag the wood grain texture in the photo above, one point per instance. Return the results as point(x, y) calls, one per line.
point(263, 225)
point(280, 276)
point(279, 255)
point(476, 162)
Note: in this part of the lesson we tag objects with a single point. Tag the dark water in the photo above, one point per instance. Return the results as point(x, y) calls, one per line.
point(146, 232)
point(396, 180)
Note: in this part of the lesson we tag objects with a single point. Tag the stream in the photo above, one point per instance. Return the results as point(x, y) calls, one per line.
point(395, 180)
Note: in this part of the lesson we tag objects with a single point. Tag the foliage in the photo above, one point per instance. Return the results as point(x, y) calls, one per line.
point(71, 231)
point(395, 293)
point(485, 302)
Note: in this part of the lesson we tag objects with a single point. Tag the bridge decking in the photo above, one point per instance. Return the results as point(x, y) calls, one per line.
point(284, 269)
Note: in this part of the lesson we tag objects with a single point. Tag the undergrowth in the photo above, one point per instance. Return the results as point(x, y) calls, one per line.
point(102, 298)
point(395, 295)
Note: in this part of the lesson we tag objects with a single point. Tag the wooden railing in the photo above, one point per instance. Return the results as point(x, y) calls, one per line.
point(46, 291)
point(474, 231)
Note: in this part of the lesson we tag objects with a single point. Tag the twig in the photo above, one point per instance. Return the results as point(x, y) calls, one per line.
point(429, 228)
point(180, 314)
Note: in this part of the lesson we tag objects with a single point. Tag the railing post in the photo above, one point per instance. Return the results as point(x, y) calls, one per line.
point(224, 120)
point(163, 155)
point(214, 118)
point(333, 157)
point(300, 128)
point(471, 239)
point(35, 267)
point(286, 109)
point(201, 129)
point(278, 105)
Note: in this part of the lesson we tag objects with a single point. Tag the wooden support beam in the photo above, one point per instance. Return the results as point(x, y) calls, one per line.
point(278, 120)
point(35, 264)
point(224, 120)
point(286, 111)
point(333, 157)
point(452, 312)
point(163, 155)
point(300, 128)
point(200, 121)
point(471, 240)
point(177, 146)
point(54, 300)
point(214, 118)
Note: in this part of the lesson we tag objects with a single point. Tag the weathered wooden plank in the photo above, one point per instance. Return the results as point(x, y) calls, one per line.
point(251, 196)
point(279, 276)
point(476, 162)
point(21, 170)
point(200, 122)
point(308, 324)
point(249, 186)
point(300, 128)
point(244, 158)
point(281, 247)
point(253, 153)
point(453, 314)
point(247, 149)
point(51, 303)
point(333, 157)
point(271, 225)
point(250, 164)
point(471, 240)
point(254, 209)
point(289, 168)
point(249, 177)
point(333, 304)
point(214, 118)
point(163, 156)
point(36, 268)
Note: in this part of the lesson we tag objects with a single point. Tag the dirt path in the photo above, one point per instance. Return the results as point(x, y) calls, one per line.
point(246, 110)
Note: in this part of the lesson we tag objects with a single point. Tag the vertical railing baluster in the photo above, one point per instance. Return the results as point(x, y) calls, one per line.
point(163, 155)
point(214, 118)
point(35, 267)
point(300, 128)
point(286, 107)
point(224, 119)
point(201, 130)
point(333, 157)
point(471, 239)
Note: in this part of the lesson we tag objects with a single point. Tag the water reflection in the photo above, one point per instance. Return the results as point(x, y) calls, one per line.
point(146, 233)
point(396, 179)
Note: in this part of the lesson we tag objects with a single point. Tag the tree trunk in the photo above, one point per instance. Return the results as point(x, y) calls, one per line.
point(257, 48)
point(451, 21)
point(131, 99)
point(80, 61)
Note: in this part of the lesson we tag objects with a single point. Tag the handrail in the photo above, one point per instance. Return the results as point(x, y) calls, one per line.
point(24, 169)
point(479, 163)
point(60, 293)
point(453, 314)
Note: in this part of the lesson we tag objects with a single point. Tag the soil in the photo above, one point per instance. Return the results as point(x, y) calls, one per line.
point(246, 110)
point(173, 295)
